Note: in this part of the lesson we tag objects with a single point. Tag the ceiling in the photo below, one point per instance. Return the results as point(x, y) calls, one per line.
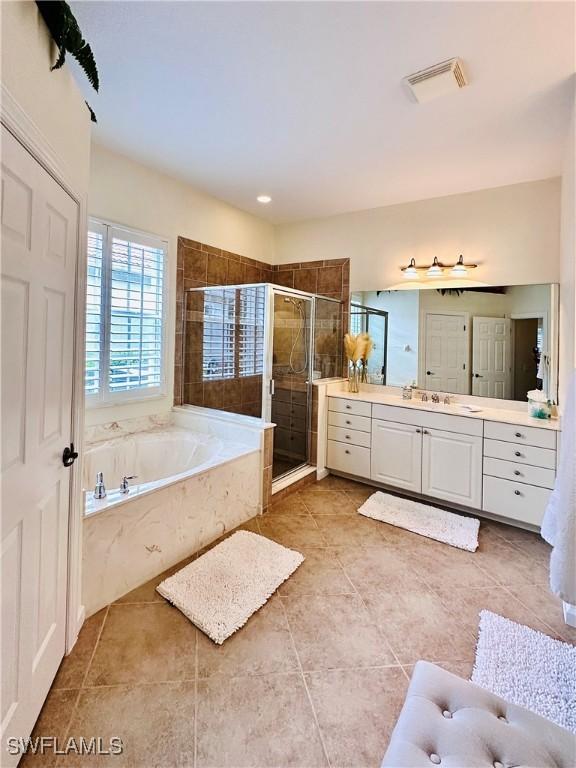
point(303, 101)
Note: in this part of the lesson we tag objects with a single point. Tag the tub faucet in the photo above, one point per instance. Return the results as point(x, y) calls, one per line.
point(435, 398)
point(100, 489)
point(124, 486)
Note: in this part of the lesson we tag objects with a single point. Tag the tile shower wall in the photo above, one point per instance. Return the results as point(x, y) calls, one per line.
point(200, 265)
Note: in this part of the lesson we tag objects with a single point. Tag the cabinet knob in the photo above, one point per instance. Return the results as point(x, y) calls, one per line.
point(348, 422)
point(517, 472)
point(347, 451)
point(517, 493)
point(517, 453)
point(518, 434)
point(425, 432)
point(348, 406)
point(418, 430)
point(347, 437)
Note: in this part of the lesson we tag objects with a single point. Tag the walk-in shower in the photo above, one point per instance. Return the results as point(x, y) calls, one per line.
point(255, 350)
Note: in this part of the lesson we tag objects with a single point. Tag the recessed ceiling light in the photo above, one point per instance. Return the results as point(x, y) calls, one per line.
point(264, 199)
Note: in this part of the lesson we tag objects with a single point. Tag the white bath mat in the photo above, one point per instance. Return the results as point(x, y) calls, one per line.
point(223, 588)
point(456, 530)
point(527, 668)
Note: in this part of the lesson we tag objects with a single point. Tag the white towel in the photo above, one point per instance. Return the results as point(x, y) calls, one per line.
point(559, 524)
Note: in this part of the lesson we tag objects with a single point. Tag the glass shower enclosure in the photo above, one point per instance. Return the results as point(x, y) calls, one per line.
point(255, 350)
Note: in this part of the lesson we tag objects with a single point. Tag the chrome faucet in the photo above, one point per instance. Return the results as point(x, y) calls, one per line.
point(435, 398)
point(100, 489)
point(424, 397)
point(446, 399)
point(124, 486)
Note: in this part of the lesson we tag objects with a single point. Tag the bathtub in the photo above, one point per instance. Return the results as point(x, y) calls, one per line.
point(191, 487)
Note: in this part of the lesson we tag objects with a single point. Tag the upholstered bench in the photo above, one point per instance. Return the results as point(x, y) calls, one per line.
point(451, 722)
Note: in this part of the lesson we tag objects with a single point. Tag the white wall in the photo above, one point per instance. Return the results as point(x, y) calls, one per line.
point(51, 100)
point(134, 195)
point(512, 232)
point(568, 263)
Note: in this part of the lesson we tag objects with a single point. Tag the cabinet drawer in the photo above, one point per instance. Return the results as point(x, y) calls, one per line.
point(518, 501)
point(464, 425)
point(348, 421)
point(351, 436)
point(521, 454)
point(351, 459)
point(354, 407)
point(520, 473)
point(511, 433)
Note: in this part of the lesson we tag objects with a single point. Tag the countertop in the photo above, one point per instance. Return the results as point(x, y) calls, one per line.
point(504, 415)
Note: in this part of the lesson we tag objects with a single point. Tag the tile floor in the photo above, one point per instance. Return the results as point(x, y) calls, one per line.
point(318, 675)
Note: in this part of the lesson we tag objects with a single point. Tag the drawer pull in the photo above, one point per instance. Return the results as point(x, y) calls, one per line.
point(425, 432)
point(347, 451)
point(347, 437)
point(418, 431)
point(517, 493)
point(517, 453)
point(348, 407)
point(348, 422)
point(519, 434)
point(517, 472)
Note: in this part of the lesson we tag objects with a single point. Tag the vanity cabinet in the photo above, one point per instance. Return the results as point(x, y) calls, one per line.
point(397, 455)
point(452, 467)
point(503, 469)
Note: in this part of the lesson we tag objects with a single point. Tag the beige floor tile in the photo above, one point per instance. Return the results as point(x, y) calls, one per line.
point(357, 710)
point(466, 604)
point(508, 566)
point(328, 502)
point(348, 530)
point(256, 722)
point(334, 631)
point(146, 593)
point(52, 722)
point(148, 642)
point(418, 626)
point(547, 607)
point(462, 669)
point(263, 646)
point(446, 566)
point(335, 483)
point(300, 531)
point(320, 574)
point(74, 666)
point(359, 495)
point(288, 505)
point(155, 723)
point(379, 567)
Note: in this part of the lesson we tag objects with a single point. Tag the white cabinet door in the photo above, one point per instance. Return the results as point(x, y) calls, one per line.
point(397, 455)
point(39, 254)
point(452, 467)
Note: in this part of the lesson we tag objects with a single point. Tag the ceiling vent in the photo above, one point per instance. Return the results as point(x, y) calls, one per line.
point(438, 80)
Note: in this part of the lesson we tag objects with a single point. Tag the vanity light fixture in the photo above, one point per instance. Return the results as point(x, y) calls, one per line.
point(435, 270)
point(459, 269)
point(411, 272)
point(264, 199)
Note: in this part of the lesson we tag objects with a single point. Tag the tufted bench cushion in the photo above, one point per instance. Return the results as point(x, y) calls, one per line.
point(451, 722)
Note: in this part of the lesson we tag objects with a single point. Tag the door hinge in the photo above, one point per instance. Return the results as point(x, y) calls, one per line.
point(464, 327)
point(463, 366)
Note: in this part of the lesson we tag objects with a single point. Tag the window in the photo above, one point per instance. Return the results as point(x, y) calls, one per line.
point(233, 332)
point(124, 314)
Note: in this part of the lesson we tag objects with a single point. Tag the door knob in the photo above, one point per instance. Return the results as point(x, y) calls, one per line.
point(69, 455)
point(478, 376)
point(429, 373)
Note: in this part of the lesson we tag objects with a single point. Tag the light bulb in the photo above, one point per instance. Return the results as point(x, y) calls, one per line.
point(435, 270)
point(410, 272)
point(459, 269)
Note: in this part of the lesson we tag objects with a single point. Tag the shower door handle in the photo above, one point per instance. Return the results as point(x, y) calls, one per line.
point(272, 386)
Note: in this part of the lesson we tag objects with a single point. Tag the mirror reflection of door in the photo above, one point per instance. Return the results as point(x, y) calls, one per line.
point(446, 352)
point(491, 366)
point(527, 350)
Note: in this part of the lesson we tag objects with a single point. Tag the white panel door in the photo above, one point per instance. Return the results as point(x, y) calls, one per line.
point(396, 456)
point(491, 363)
point(452, 467)
point(446, 353)
point(39, 223)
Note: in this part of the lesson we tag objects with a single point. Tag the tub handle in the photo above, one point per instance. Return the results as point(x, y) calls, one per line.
point(124, 485)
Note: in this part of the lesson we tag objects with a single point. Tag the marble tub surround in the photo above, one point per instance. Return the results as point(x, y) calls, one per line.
point(124, 546)
point(295, 687)
point(112, 429)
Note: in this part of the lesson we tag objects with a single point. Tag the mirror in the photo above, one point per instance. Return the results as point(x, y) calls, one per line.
point(497, 341)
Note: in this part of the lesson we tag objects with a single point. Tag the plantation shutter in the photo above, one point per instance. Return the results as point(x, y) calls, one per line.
point(251, 332)
point(218, 335)
point(94, 305)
